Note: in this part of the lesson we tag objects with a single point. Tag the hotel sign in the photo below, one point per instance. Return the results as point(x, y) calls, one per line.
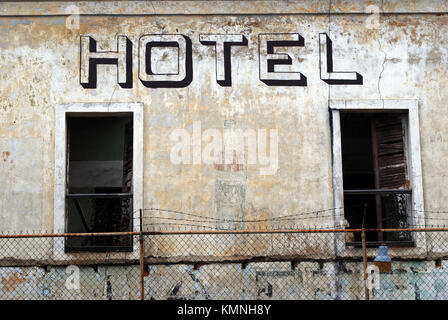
point(180, 73)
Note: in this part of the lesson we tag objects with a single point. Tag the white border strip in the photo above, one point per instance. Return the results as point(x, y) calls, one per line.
point(414, 154)
point(60, 169)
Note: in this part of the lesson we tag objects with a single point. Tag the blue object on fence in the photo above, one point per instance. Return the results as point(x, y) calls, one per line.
point(382, 256)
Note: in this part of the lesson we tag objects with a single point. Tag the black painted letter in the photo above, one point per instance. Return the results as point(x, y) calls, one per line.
point(90, 58)
point(223, 62)
point(268, 59)
point(179, 79)
point(326, 65)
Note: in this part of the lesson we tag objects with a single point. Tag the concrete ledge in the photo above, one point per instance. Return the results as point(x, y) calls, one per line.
point(264, 280)
point(202, 7)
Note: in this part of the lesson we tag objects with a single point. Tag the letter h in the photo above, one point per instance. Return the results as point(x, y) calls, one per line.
point(90, 58)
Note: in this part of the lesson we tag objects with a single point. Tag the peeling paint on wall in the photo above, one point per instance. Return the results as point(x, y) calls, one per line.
point(406, 58)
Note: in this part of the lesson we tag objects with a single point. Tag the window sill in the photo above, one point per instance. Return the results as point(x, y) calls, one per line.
point(376, 244)
point(108, 249)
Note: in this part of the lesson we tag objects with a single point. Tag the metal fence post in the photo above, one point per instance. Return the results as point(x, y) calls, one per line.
point(142, 259)
point(364, 252)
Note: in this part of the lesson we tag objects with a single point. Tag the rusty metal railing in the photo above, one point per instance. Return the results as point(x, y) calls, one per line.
point(161, 258)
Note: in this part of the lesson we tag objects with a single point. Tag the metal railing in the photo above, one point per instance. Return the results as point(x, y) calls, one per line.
point(389, 208)
point(169, 263)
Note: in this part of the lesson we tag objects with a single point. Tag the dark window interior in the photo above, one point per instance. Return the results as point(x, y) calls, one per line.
point(374, 163)
point(99, 181)
point(357, 168)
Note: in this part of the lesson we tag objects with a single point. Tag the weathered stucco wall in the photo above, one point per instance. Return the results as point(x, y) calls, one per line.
point(257, 281)
point(406, 58)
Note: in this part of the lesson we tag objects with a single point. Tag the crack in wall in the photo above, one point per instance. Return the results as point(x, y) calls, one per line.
point(329, 35)
point(385, 57)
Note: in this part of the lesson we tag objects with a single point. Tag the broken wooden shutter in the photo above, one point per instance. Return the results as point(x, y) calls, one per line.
point(390, 163)
point(392, 169)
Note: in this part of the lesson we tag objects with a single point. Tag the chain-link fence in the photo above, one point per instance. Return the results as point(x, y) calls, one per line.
point(45, 266)
point(228, 264)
